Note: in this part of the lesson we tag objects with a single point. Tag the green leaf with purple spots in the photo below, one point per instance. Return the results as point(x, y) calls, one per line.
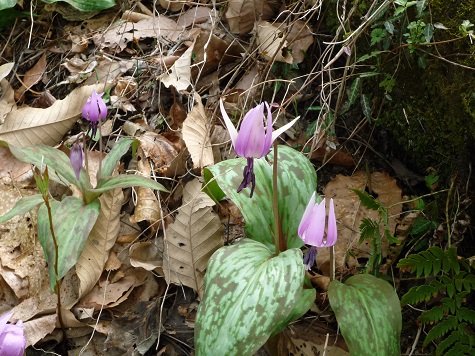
point(72, 223)
point(297, 181)
point(368, 313)
point(249, 295)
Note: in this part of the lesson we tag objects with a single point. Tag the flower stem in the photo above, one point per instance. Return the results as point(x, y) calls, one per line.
point(56, 260)
point(279, 241)
point(332, 263)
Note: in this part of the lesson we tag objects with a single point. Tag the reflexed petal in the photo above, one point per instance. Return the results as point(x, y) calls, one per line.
point(284, 128)
point(316, 228)
point(332, 231)
point(251, 137)
point(12, 339)
point(305, 218)
point(229, 125)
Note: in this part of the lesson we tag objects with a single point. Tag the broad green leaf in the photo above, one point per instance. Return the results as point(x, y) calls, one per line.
point(6, 4)
point(60, 169)
point(22, 206)
point(72, 222)
point(119, 149)
point(126, 181)
point(368, 313)
point(86, 5)
point(306, 299)
point(297, 181)
point(248, 291)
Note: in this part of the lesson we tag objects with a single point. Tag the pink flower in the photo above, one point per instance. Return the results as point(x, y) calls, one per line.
point(76, 156)
point(312, 228)
point(94, 110)
point(253, 140)
point(12, 338)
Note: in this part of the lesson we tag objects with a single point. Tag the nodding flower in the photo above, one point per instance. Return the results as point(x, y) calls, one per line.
point(75, 157)
point(253, 139)
point(12, 338)
point(312, 228)
point(94, 110)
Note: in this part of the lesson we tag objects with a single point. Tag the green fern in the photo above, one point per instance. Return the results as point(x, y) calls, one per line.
point(453, 283)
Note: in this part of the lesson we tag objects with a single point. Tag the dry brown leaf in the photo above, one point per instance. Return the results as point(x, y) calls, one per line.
point(196, 134)
point(300, 38)
point(30, 126)
point(179, 75)
point(192, 239)
point(173, 5)
point(242, 14)
point(349, 212)
point(148, 207)
point(91, 263)
point(12, 171)
point(147, 254)
point(37, 329)
point(196, 15)
point(32, 76)
point(271, 42)
point(5, 69)
point(7, 100)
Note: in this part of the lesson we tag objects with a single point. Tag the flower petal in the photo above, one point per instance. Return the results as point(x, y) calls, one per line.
point(229, 125)
point(305, 218)
point(284, 128)
point(332, 231)
point(268, 141)
point(316, 228)
point(251, 137)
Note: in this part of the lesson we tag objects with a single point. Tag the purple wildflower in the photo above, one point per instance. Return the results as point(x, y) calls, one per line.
point(94, 110)
point(12, 338)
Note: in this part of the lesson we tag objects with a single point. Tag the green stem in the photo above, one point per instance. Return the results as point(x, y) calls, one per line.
point(332, 263)
point(56, 262)
point(279, 241)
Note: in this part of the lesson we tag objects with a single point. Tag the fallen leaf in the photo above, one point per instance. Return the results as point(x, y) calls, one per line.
point(349, 213)
point(179, 75)
point(29, 126)
point(5, 69)
point(148, 207)
point(192, 239)
point(196, 15)
point(242, 14)
point(271, 42)
point(32, 76)
point(300, 38)
point(147, 255)
point(196, 134)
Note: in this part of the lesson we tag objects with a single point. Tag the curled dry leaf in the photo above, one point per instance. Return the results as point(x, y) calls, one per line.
point(300, 38)
point(196, 15)
point(242, 14)
point(271, 42)
point(147, 254)
point(179, 75)
point(191, 240)
point(166, 159)
point(91, 263)
point(148, 207)
point(29, 126)
point(196, 134)
point(349, 213)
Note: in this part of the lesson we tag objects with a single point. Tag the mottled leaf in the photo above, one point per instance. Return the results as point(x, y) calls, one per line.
point(297, 181)
point(72, 222)
point(119, 149)
point(368, 313)
point(249, 293)
point(22, 206)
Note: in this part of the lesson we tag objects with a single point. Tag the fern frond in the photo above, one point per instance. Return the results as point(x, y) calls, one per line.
point(432, 315)
point(460, 348)
point(426, 262)
point(459, 298)
point(449, 305)
point(367, 200)
point(441, 329)
point(465, 314)
point(469, 282)
point(447, 342)
point(418, 294)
